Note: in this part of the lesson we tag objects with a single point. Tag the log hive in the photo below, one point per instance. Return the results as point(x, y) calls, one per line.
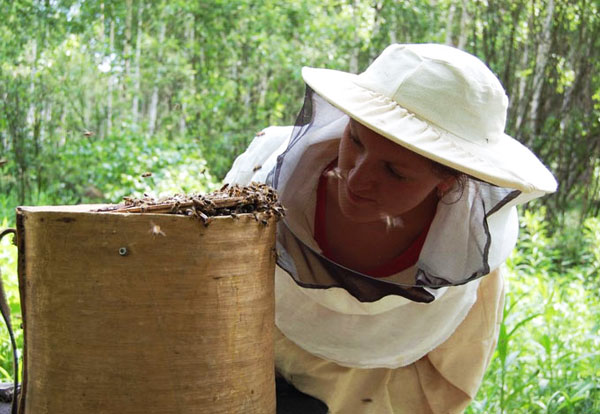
point(145, 313)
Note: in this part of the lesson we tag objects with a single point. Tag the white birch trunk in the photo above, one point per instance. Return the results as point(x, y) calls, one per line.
point(464, 24)
point(127, 45)
point(109, 103)
point(33, 65)
point(138, 52)
point(189, 34)
point(522, 101)
point(393, 36)
point(540, 65)
point(356, 22)
point(449, 24)
point(47, 120)
point(152, 112)
point(394, 26)
point(62, 130)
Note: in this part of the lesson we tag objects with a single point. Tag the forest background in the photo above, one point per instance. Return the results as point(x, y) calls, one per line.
point(94, 93)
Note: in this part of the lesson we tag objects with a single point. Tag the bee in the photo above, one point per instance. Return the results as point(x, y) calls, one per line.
point(147, 174)
point(88, 134)
point(392, 222)
point(175, 207)
point(335, 173)
point(155, 230)
point(260, 134)
point(256, 168)
point(205, 219)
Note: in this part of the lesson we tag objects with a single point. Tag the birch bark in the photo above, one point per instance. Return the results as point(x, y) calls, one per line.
point(138, 52)
point(152, 112)
point(449, 24)
point(109, 103)
point(189, 34)
point(543, 50)
point(464, 23)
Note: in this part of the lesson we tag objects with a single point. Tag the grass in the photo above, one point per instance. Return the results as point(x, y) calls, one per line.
point(548, 354)
point(8, 270)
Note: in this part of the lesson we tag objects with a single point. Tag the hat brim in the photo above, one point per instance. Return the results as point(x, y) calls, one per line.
point(505, 162)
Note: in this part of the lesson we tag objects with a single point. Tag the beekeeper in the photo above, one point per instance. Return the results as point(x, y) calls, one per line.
point(400, 187)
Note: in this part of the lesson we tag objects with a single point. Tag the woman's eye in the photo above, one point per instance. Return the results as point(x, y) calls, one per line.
point(355, 140)
point(394, 173)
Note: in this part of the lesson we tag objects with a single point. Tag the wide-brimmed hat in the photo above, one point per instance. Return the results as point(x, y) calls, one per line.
point(442, 103)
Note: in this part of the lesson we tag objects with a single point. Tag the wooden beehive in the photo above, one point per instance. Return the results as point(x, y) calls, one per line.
point(145, 313)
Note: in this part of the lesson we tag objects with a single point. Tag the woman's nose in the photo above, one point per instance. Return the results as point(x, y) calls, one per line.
point(362, 175)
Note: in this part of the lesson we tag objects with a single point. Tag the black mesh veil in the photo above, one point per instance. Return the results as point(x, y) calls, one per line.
point(453, 254)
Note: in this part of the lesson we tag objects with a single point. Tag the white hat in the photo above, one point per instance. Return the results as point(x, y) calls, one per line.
point(442, 103)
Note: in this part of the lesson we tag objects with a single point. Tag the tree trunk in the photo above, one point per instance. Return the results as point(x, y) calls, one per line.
point(189, 35)
point(16, 120)
point(127, 45)
point(138, 52)
point(464, 23)
point(522, 103)
point(33, 65)
point(543, 50)
point(354, 52)
point(449, 24)
point(152, 112)
point(109, 98)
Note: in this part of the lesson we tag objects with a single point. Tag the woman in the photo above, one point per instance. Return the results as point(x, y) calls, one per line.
point(400, 187)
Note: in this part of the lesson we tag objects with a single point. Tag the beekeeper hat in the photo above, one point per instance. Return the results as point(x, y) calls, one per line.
point(442, 103)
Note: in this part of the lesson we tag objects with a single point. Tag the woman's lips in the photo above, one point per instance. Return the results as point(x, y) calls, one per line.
point(355, 198)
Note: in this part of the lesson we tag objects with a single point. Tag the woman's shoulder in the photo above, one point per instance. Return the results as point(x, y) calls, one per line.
point(260, 156)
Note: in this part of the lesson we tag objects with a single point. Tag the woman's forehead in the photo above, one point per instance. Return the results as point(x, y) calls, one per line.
point(393, 150)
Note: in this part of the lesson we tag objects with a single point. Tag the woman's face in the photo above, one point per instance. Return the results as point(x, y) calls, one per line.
point(382, 179)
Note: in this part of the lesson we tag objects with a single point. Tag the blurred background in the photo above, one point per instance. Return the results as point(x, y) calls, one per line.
point(93, 94)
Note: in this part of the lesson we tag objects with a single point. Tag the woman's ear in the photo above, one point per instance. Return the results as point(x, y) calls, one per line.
point(445, 185)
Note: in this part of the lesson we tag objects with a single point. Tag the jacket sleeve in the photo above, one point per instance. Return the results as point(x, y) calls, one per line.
point(444, 381)
point(260, 157)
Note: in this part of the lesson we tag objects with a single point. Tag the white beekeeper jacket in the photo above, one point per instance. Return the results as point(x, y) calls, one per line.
point(384, 353)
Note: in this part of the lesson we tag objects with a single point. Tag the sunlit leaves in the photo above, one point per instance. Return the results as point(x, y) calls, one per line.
point(547, 359)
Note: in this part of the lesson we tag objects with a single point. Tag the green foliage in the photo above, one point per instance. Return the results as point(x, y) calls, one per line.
point(8, 270)
point(215, 73)
point(95, 93)
point(547, 359)
point(591, 256)
point(91, 170)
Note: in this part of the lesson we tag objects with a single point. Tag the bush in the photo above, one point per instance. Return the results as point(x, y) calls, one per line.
point(105, 170)
point(547, 359)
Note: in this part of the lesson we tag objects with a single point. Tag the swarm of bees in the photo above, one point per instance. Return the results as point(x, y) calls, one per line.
point(257, 199)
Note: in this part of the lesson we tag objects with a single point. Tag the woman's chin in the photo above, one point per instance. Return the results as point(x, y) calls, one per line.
point(359, 213)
